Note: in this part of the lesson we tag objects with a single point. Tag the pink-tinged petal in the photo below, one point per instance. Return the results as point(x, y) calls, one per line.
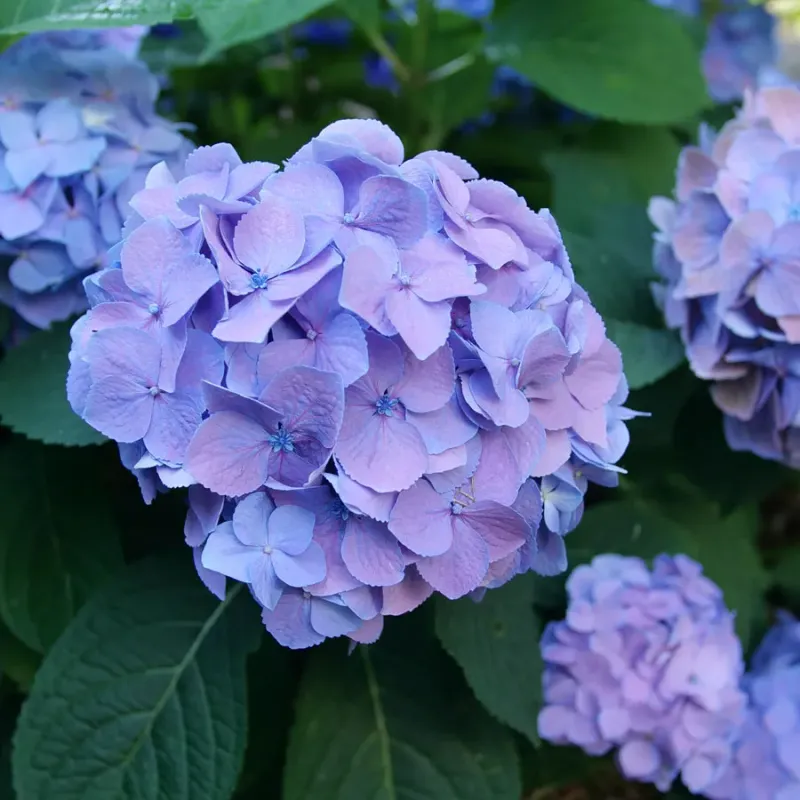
point(745, 241)
point(392, 207)
point(591, 426)
point(545, 359)
point(439, 271)
point(502, 528)
point(337, 577)
point(448, 460)
point(251, 318)
point(295, 282)
point(369, 632)
point(557, 450)
point(290, 622)
point(246, 178)
point(406, 596)
point(208, 183)
point(250, 519)
point(479, 392)
point(444, 428)
point(462, 568)
point(366, 280)
point(790, 325)
point(119, 408)
point(127, 352)
point(732, 194)
point(309, 400)
point(290, 529)
point(495, 328)
point(385, 453)
point(229, 454)
point(224, 553)
point(304, 569)
point(375, 137)
point(282, 354)
point(740, 397)
point(423, 326)
point(753, 151)
point(235, 279)
point(175, 419)
point(426, 385)
point(271, 237)
point(212, 158)
point(422, 521)
point(203, 360)
point(217, 398)
point(386, 365)
point(508, 456)
point(342, 348)
point(159, 263)
point(696, 171)
point(361, 499)
point(371, 553)
point(489, 244)
point(781, 106)
point(554, 406)
point(312, 188)
point(595, 379)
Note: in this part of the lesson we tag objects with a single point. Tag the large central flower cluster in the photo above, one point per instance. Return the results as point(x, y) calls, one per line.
point(646, 662)
point(385, 366)
point(78, 134)
point(766, 763)
point(729, 251)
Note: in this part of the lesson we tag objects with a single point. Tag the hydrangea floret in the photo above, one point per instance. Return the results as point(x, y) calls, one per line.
point(727, 249)
point(647, 664)
point(377, 376)
point(78, 135)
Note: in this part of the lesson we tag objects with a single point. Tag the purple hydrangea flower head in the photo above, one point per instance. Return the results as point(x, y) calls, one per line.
point(78, 134)
point(646, 663)
point(727, 249)
point(376, 376)
point(740, 46)
point(766, 761)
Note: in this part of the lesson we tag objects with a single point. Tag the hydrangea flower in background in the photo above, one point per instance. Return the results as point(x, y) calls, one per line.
point(766, 763)
point(740, 45)
point(377, 375)
point(646, 663)
point(727, 249)
point(78, 135)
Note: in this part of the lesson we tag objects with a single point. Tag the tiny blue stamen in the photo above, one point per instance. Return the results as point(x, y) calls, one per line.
point(282, 441)
point(456, 508)
point(311, 334)
point(793, 215)
point(385, 405)
point(154, 390)
point(258, 281)
point(341, 511)
point(348, 218)
point(404, 280)
point(153, 308)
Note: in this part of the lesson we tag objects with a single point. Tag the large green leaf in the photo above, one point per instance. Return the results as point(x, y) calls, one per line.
point(237, 21)
point(17, 661)
point(58, 543)
point(496, 643)
point(648, 353)
point(393, 722)
point(33, 393)
point(143, 697)
point(35, 15)
point(619, 59)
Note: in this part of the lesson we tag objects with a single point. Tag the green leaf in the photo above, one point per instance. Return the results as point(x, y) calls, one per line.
point(365, 13)
point(33, 393)
point(17, 661)
point(496, 643)
point(58, 544)
point(618, 59)
point(145, 692)
point(237, 21)
point(23, 16)
point(647, 354)
point(786, 575)
point(393, 721)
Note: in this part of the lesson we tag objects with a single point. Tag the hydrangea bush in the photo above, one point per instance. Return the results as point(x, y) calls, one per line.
point(323, 325)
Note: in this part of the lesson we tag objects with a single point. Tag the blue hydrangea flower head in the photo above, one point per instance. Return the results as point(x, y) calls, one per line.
point(647, 664)
point(726, 250)
point(78, 134)
point(376, 374)
point(766, 762)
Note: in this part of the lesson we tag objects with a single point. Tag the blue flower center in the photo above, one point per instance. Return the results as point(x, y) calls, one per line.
point(793, 214)
point(455, 508)
point(386, 405)
point(282, 441)
point(258, 281)
point(340, 511)
point(154, 390)
point(153, 308)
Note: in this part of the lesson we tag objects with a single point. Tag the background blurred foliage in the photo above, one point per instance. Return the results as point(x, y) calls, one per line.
point(444, 707)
